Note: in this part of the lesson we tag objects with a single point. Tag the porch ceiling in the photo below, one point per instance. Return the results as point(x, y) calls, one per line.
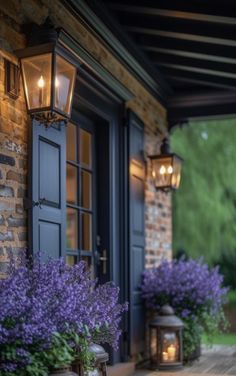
point(192, 43)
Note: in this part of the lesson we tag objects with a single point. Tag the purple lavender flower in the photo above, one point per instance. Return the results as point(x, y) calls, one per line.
point(41, 299)
point(190, 287)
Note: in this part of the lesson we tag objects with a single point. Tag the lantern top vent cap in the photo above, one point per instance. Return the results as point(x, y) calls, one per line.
point(167, 310)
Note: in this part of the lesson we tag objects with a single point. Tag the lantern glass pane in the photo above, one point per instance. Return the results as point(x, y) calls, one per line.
point(37, 71)
point(162, 171)
point(170, 347)
point(64, 84)
point(153, 344)
point(177, 163)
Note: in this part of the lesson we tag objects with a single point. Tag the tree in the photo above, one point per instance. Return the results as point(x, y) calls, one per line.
point(204, 208)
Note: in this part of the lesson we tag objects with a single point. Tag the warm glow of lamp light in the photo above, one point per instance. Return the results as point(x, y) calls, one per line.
point(166, 168)
point(170, 170)
point(171, 351)
point(41, 82)
point(49, 75)
point(162, 170)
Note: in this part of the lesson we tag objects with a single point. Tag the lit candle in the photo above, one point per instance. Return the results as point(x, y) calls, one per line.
point(41, 84)
point(165, 356)
point(171, 350)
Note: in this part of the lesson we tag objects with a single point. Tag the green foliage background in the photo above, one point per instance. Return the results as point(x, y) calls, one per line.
point(204, 215)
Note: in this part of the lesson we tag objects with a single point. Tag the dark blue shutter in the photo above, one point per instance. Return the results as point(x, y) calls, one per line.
point(136, 232)
point(47, 190)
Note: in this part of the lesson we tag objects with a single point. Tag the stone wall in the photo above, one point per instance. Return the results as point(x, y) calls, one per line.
point(13, 172)
point(13, 129)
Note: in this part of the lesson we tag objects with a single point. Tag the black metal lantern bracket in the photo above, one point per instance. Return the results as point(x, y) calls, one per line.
point(45, 41)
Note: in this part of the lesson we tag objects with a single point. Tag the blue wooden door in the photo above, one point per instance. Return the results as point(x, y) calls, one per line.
point(136, 233)
point(47, 190)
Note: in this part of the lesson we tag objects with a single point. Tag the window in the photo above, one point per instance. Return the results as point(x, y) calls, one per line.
point(79, 183)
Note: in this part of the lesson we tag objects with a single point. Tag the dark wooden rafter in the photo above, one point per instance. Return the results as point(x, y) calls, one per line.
point(193, 44)
point(177, 49)
point(204, 7)
point(197, 106)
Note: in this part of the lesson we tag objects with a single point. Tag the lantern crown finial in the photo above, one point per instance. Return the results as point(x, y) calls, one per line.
point(42, 34)
point(165, 146)
point(167, 310)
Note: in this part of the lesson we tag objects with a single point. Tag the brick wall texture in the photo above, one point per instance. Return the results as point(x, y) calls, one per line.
point(14, 130)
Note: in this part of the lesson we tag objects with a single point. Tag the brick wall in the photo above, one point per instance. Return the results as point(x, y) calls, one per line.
point(13, 129)
point(13, 171)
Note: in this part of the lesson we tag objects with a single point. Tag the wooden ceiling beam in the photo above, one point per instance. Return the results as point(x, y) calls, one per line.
point(185, 46)
point(173, 14)
point(177, 25)
point(181, 35)
point(199, 76)
point(182, 108)
point(218, 8)
point(217, 68)
point(156, 52)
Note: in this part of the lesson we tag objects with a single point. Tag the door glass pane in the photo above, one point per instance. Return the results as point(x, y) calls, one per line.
point(72, 229)
point(71, 260)
point(71, 184)
point(86, 187)
point(71, 142)
point(86, 231)
point(85, 148)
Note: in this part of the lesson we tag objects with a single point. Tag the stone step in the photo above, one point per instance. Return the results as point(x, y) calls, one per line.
point(121, 369)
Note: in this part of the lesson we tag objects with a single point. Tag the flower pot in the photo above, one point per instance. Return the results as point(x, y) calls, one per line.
point(65, 371)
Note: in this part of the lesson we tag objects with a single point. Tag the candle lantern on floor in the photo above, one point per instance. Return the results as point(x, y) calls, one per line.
point(99, 367)
point(165, 336)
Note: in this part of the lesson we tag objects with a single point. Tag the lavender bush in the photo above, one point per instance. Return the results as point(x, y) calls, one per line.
point(51, 304)
point(195, 292)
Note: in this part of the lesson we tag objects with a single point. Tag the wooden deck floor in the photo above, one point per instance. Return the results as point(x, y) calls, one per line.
point(219, 360)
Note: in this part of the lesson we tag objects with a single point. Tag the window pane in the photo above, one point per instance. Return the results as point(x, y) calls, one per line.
point(72, 229)
point(71, 184)
point(85, 148)
point(86, 187)
point(71, 260)
point(86, 231)
point(71, 142)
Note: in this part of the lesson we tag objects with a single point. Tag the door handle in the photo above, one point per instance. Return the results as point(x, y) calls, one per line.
point(104, 259)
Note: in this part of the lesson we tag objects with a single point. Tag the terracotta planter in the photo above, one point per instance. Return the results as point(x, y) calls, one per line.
point(63, 372)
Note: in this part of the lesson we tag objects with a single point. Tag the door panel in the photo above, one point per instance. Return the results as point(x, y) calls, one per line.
point(136, 233)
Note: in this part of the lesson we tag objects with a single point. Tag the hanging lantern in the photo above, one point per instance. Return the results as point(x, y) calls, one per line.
point(166, 168)
point(49, 74)
point(165, 337)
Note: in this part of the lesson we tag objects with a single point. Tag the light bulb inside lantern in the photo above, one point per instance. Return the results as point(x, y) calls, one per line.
point(57, 82)
point(170, 170)
point(41, 82)
point(162, 170)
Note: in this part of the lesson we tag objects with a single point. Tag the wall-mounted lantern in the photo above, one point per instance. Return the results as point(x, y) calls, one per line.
point(165, 335)
point(166, 168)
point(49, 74)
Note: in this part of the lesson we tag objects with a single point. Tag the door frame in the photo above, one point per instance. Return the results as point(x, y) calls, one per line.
point(93, 99)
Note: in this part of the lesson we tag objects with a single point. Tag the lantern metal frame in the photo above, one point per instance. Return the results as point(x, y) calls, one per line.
point(164, 154)
point(165, 322)
point(47, 41)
